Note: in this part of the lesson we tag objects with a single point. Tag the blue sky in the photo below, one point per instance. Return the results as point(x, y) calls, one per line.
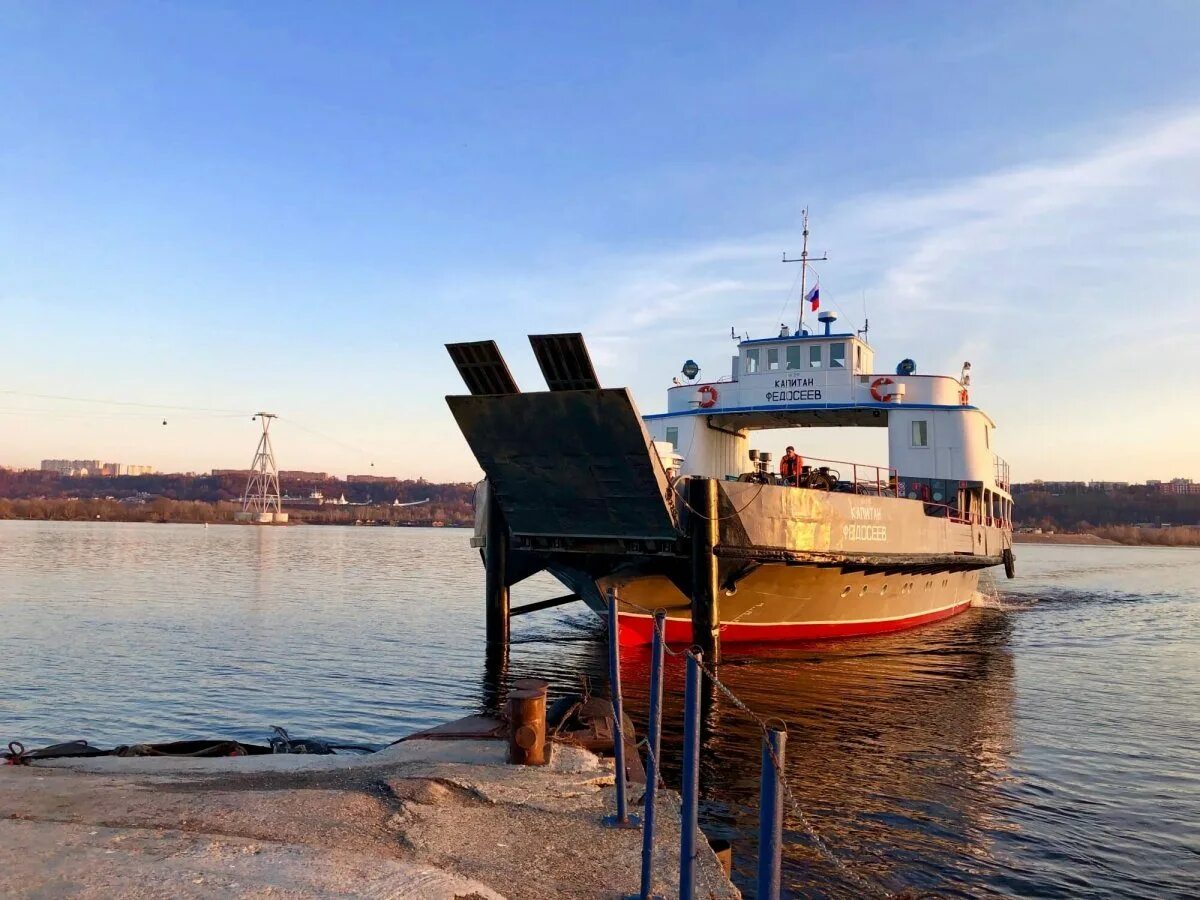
point(293, 206)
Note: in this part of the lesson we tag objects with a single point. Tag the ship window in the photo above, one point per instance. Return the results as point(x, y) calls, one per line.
point(858, 359)
point(814, 356)
point(772, 359)
point(751, 361)
point(795, 357)
point(837, 356)
point(920, 433)
point(987, 438)
point(673, 437)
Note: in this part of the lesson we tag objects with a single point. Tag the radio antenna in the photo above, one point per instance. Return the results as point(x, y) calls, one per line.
point(804, 260)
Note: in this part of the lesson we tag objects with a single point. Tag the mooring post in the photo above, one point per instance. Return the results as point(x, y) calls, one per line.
point(706, 617)
point(527, 722)
point(654, 739)
point(496, 571)
point(691, 777)
point(622, 819)
point(770, 814)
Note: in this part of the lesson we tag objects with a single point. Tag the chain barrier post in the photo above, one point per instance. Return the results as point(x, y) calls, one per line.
point(770, 814)
point(691, 777)
point(622, 819)
point(654, 739)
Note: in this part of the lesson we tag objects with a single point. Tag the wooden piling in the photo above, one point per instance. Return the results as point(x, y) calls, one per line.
point(706, 615)
point(496, 572)
point(527, 723)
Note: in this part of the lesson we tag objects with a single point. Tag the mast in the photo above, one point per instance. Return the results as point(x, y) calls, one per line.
point(803, 260)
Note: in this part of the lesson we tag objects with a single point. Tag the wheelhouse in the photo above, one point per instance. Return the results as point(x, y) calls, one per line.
point(939, 445)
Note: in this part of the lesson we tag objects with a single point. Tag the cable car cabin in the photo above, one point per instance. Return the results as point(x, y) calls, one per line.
point(940, 446)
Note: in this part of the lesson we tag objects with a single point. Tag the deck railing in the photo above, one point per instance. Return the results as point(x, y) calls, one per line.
point(1002, 476)
point(865, 477)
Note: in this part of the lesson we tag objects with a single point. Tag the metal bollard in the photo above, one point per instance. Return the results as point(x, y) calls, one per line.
point(623, 818)
point(654, 740)
point(691, 777)
point(770, 814)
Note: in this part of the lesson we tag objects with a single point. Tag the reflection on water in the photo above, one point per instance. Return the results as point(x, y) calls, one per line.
point(1046, 747)
point(895, 748)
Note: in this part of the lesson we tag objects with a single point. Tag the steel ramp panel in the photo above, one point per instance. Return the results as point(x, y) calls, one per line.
point(573, 464)
point(482, 368)
point(565, 362)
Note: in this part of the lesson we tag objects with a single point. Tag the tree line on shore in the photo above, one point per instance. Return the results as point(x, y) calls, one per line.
point(1130, 515)
point(1090, 511)
point(214, 498)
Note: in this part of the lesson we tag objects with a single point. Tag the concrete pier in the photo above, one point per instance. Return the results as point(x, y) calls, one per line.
point(423, 818)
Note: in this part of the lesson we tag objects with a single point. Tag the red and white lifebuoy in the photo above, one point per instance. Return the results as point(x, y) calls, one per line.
point(879, 396)
point(708, 396)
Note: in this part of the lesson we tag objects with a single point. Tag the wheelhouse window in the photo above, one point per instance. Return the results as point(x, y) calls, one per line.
point(920, 433)
point(858, 359)
point(814, 356)
point(795, 357)
point(772, 359)
point(837, 356)
point(673, 437)
point(751, 361)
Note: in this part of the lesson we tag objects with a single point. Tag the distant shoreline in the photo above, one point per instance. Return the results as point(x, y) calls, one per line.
point(1122, 536)
point(1085, 539)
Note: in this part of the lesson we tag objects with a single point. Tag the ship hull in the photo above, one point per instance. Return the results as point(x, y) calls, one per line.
point(798, 603)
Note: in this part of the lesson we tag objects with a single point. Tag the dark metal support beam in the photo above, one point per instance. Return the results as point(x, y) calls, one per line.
point(544, 604)
point(495, 554)
point(706, 616)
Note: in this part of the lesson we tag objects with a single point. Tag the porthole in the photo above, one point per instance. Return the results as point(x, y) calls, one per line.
point(863, 592)
point(845, 590)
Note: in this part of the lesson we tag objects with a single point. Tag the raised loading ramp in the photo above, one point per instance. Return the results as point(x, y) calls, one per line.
point(569, 463)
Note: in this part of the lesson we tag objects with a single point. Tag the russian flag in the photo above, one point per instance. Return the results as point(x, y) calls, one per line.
point(814, 297)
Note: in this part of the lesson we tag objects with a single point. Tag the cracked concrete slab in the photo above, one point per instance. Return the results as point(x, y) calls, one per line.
point(419, 819)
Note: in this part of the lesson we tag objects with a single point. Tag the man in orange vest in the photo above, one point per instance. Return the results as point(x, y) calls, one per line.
point(789, 467)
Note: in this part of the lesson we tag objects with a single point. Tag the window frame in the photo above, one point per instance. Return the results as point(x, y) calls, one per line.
point(912, 434)
point(816, 356)
point(837, 365)
point(752, 361)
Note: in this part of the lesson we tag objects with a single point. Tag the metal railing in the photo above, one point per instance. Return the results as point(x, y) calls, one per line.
point(1002, 473)
point(775, 795)
point(865, 478)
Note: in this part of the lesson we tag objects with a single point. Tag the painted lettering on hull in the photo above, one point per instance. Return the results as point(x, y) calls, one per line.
point(854, 532)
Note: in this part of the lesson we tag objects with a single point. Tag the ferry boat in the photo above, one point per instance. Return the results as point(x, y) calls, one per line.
point(582, 486)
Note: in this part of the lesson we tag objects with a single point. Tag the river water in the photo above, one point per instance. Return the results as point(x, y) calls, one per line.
point(1045, 745)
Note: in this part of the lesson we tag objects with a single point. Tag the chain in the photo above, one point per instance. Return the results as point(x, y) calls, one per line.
point(794, 806)
point(698, 514)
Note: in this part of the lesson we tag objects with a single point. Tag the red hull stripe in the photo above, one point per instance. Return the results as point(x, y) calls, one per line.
point(638, 629)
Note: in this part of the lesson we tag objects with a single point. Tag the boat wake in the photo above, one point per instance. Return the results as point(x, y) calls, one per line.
point(990, 598)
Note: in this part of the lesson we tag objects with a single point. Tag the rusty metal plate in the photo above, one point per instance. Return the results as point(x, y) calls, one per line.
point(482, 368)
point(564, 361)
